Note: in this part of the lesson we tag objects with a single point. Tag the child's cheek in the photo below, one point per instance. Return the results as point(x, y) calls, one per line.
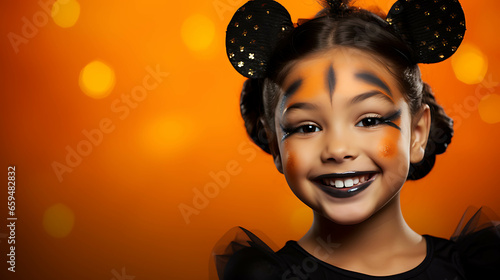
point(387, 147)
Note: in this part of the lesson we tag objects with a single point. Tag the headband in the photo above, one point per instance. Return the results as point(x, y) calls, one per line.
point(433, 28)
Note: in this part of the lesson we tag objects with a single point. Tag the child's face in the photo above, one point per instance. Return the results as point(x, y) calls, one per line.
point(345, 134)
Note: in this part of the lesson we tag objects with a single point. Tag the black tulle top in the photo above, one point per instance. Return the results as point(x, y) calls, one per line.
point(473, 252)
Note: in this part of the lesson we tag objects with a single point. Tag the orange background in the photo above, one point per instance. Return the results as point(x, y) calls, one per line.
point(117, 212)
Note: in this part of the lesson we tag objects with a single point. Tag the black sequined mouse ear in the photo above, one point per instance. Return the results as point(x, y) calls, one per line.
point(434, 28)
point(253, 33)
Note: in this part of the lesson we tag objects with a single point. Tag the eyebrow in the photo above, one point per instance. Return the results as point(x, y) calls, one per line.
point(300, 105)
point(373, 80)
point(292, 89)
point(370, 94)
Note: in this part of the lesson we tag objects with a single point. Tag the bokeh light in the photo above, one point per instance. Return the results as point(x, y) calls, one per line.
point(97, 79)
point(198, 32)
point(489, 108)
point(58, 220)
point(65, 13)
point(469, 64)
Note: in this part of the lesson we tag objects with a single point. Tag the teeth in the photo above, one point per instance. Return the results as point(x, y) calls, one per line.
point(349, 183)
point(339, 184)
point(345, 183)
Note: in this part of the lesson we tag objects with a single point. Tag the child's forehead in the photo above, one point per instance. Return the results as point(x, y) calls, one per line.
point(341, 59)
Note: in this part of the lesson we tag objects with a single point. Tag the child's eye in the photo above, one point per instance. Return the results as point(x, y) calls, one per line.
point(370, 121)
point(303, 129)
point(308, 128)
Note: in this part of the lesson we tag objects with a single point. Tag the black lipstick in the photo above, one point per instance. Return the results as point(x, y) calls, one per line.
point(344, 192)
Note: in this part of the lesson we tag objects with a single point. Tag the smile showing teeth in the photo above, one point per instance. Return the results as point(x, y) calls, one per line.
point(346, 182)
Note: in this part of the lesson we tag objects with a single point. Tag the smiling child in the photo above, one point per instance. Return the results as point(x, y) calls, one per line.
point(339, 103)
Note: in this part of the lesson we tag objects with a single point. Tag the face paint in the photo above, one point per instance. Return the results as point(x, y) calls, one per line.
point(330, 80)
point(388, 146)
point(374, 80)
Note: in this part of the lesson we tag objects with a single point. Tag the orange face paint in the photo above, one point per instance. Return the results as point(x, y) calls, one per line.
point(387, 147)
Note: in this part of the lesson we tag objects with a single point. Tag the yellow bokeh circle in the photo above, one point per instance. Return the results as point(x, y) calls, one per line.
point(58, 220)
point(198, 32)
point(469, 64)
point(97, 79)
point(65, 13)
point(489, 108)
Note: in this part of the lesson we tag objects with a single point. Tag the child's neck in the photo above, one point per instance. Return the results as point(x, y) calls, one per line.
point(381, 239)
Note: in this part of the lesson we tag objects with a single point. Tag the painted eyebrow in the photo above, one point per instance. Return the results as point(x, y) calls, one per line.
point(369, 94)
point(292, 89)
point(373, 80)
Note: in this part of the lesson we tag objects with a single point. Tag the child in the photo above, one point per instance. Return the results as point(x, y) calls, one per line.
point(340, 105)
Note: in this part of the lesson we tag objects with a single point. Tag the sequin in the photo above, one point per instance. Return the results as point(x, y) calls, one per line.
point(242, 48)
point(462, 23)
point(251, 55)
point(256, 27)
point(436, 34)
point(441, 56)
point(417, 6)
point(231, 55)
point(249, 16)
point(244, 33)
point(232, 41)
point(423, 43)
point(453, 48)
point(389, 20)
point(427, 28)
point(267, 11)
point(460, 36)
point(252, 42)
point(241, 64)
point(236, 24)
point(439, 21)
point(448, 28)
point(427, 13)
point(443, 8)
point(444, 42)
point(432, 47)
point(283, 28)
point(453, 15)
point(250, 72)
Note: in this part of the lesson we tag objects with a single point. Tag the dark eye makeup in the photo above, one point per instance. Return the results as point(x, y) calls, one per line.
point(309, 128)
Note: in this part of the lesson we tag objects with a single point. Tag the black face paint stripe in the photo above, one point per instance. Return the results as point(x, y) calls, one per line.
point(330, 80)
point(374, 80)
point(292, 89)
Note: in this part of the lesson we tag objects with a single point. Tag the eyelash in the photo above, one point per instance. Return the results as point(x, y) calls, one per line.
point(292, 130)
point(389, 120)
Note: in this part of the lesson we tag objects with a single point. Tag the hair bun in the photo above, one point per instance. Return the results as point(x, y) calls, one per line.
point(252, 110)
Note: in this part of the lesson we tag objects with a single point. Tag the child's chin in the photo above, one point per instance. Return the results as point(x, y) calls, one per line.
point(346, 216)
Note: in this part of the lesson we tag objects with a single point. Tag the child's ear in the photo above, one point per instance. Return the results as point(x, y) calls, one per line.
point(421, 125)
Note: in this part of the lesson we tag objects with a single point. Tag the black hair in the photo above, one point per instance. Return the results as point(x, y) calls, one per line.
point(349, 27)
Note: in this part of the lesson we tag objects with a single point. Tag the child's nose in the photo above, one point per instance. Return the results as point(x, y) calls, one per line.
point(338, 148)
